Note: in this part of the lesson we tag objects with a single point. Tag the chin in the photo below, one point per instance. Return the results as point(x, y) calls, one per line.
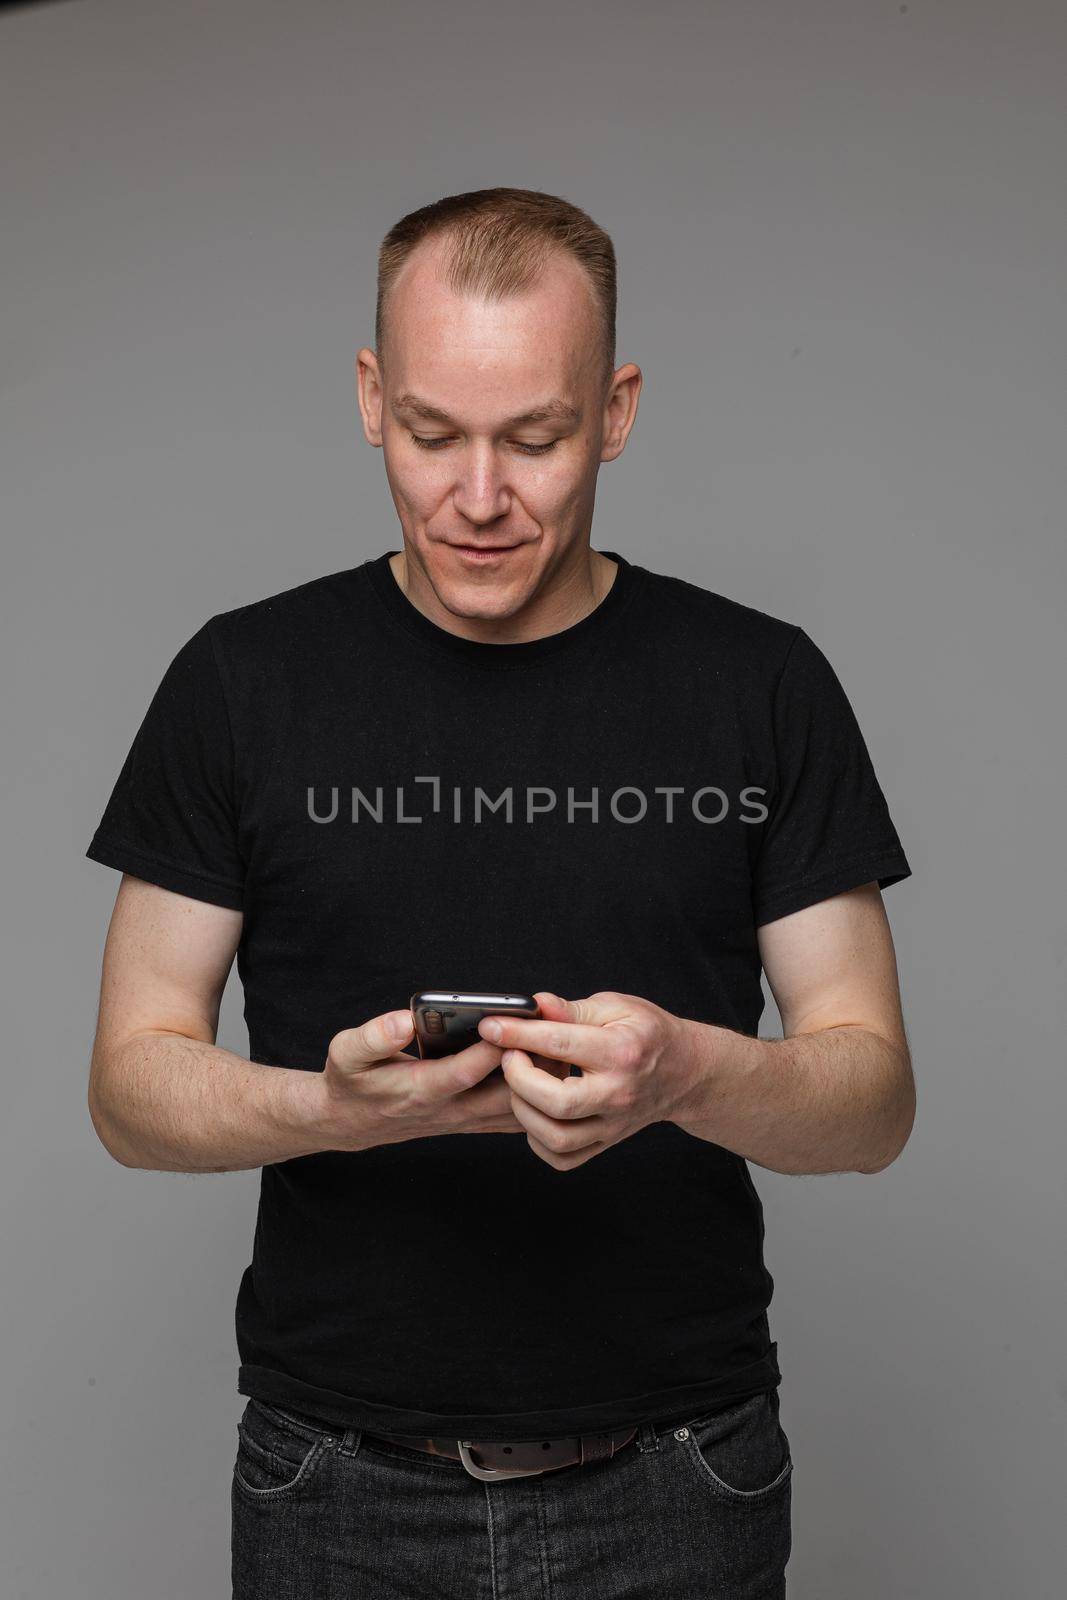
point(486, 599)
point(480, 588)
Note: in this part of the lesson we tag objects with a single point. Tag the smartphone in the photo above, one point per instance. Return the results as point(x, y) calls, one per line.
point(446, 1020)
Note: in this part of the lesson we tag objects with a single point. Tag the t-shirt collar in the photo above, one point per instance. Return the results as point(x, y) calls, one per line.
point(476, 651)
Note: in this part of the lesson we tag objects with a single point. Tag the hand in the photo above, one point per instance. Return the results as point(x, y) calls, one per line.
point(375, 1093)
point(638, 1065)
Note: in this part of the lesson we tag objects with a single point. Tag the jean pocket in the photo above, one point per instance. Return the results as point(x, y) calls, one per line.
point(277, 1454)
point(742, 1453)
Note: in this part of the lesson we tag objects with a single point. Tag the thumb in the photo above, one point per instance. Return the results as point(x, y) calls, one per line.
point(552, 1006)
point(378, 1039)
point(592, 1009)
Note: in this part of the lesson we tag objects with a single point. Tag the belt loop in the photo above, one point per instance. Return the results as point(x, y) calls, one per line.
point(351, 1442)
point(647, 1437)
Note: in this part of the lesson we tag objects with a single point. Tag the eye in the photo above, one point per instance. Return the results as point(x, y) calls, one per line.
point(426, 444)
point(439, 442)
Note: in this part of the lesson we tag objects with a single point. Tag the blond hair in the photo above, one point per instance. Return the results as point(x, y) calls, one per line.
point(499, 241)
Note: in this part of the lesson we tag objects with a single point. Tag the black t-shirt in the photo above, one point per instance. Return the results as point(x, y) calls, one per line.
point(619, 806)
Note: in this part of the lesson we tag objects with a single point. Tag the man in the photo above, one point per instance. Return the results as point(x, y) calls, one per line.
point(538, 1360)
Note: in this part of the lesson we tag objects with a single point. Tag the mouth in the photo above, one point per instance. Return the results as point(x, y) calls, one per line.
point(483, 552)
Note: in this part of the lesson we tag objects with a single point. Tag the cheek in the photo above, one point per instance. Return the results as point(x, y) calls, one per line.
point(418, 485)
point(552, 490)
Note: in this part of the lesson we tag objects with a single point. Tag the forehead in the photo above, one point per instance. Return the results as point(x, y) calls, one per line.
point(465, 348)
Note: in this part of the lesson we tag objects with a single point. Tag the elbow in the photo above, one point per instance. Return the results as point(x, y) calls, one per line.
point(104, 1133)
point(905, 1123)
point(879, 1166)
point(103, 1123)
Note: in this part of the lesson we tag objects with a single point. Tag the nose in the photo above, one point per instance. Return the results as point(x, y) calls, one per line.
point(480, 494)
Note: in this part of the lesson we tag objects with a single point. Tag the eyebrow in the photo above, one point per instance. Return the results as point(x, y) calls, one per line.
point(551, 411)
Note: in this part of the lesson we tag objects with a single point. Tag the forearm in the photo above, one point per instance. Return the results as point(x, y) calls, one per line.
point(839, 1100)
point(168, 1103)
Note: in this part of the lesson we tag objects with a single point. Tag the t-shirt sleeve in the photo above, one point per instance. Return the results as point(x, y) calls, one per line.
point(828, 827)
point(172, 816)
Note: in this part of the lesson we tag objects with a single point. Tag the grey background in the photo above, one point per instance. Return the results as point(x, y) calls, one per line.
point(841, 237)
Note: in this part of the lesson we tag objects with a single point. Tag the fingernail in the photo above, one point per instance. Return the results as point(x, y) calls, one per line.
point(400, 1025)
point(490, 1029)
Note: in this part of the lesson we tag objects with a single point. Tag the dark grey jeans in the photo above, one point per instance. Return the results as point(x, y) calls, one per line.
point(692, 1509)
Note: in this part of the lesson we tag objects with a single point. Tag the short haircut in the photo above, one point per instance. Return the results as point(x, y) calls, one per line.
point(500, 239)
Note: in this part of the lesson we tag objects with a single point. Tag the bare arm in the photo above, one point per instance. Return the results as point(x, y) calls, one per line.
point(164, 1096)
point(837, 1093)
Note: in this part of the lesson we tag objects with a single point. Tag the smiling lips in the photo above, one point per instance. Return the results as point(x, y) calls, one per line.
point(483, 552)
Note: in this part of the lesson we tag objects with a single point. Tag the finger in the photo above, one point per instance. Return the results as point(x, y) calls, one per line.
point(586, 1044)
point(565, 1099)
point(485, 1108)
point(467, 1068)
point(604, 1006)
point(558, 1069)
point(563, 1162)
point(552, 1006)
point(489, 1098)
point(562, 1137)
point(378, 1039)
point(412, 1081)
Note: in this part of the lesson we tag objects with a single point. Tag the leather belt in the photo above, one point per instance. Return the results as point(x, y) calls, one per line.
point(518, 1458)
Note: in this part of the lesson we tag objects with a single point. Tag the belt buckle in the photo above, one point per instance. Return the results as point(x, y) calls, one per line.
point(492, 1474)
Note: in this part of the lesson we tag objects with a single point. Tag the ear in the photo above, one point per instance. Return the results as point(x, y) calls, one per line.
point(620, 410)
point(370, 394)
